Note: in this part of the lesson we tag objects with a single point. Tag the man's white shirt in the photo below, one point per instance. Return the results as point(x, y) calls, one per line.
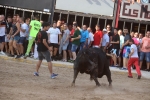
point(90, 38)
point(53, 32)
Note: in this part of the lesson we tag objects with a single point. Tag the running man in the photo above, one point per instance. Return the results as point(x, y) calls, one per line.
point(34, 28)
point(44, 50)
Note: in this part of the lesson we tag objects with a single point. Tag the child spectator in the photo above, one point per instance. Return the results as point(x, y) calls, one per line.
point(133, 59)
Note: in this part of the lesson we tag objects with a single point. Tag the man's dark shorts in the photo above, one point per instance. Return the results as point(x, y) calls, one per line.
point(54, 45)
point(70, 46)
point(22, 40)
point(45, 54)
point(2, 39)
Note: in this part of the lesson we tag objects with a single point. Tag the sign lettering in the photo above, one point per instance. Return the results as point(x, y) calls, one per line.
point(135, 11)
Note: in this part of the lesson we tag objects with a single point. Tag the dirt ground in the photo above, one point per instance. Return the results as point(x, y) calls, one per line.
point(18, 83)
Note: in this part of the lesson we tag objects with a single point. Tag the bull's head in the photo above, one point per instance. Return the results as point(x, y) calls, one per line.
point(92, 66)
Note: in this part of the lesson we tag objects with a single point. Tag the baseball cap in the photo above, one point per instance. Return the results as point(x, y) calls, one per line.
point(104, 30)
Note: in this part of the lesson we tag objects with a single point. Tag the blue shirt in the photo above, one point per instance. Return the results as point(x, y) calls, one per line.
point(84, 35)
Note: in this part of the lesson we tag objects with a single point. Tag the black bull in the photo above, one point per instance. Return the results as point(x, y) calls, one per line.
point(92, 61)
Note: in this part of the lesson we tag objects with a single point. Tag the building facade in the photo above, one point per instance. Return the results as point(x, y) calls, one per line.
point(136, 17)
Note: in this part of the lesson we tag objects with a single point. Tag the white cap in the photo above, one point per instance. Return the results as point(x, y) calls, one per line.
point(104, 30)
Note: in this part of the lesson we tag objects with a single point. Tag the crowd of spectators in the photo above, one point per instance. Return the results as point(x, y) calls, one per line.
point(18, 37)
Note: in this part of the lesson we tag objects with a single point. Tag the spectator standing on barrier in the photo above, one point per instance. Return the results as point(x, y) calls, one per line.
point(145, 51)
point(110, 34)
point(140, 41)
point(121, 43)
point(132, 34)
point(133, 59)
point(90, 39)
point(34, 28)
point(126, 48)
point(15, 36)
point(27, 35)
point(23, 32)
point(2, 34)
point(70, 43)
point(98, 35)
point(65, 41)
point(53, 40)
point(43, 50)
point(136, 39)
point(75, 41)
point(9, 25)
point(84, 37)
point(116, 47)
point(105, 41)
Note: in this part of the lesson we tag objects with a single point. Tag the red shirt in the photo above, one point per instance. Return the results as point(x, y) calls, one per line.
point(71, 33)
point(97, 37)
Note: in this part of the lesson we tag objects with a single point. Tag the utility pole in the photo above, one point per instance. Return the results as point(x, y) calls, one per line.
point(52, 12)
point(116, 13)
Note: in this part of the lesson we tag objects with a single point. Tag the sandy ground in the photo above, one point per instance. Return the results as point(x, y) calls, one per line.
point(18, 83)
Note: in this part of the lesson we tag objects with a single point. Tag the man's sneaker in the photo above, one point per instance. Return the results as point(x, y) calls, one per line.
point(54, 75)
point(2, 53)
point(25, 56)
point(11, 55)
point(36, 74)
point(71, 61)
point(123, 68)
point(130, 76)
point(139, 77)
point(18, 56)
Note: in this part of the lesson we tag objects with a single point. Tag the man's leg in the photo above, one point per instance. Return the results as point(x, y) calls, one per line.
point(142, 54)
point(31, 40)
point(124, 62)
point(6, 47)
point(74, 55)
point(73, 49)
point(50, 67)
point(55, 51)
point(47, 56)
point(15, 46)
point(137, 66)
point(69, 50)
point(119, 59)
point(129, 67)
point(64, 55)
point(2, 41)
point(38, 65)
point(51, 50)
point(2, 46)
point(21, 48)
point(11, 47)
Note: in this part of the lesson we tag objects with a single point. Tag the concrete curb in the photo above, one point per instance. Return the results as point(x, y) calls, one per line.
point(31, 61)
point(68, 65)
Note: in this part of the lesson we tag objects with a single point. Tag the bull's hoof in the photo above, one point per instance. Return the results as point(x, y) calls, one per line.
point(91, 78)
point(98, 85)
point(73, 84)
point(110, 84)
